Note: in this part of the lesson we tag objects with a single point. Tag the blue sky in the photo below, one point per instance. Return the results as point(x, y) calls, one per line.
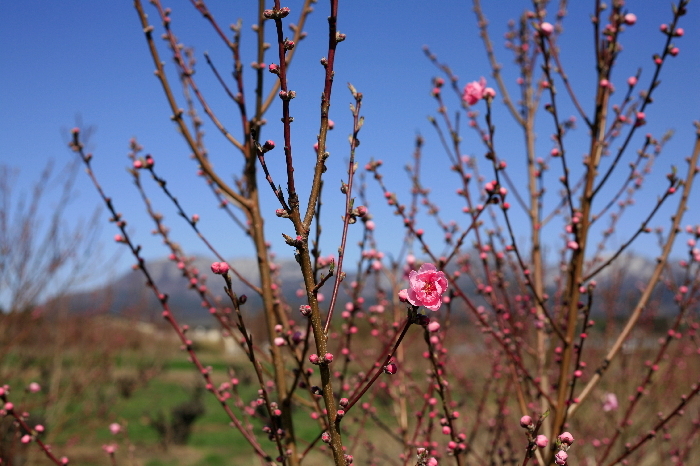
point(87, 61)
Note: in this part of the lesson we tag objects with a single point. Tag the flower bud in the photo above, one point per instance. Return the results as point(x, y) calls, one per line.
point(541, 441)
point(547, 29)
point(391, 369)
point(525, 421)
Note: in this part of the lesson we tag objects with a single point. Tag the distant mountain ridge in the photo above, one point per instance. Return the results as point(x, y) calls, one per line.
point(128, 295)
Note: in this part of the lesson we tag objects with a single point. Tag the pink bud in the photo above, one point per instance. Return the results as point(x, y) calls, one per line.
point(433, 326)
point(279, 341)
point(328, 358)
point(541, 441)
point(34, 387)
point(630, 19)
point(566, 438)
point(403, 295)
point(220, 268)
point(138, 164)
point(560, 457)
point(525, 421)
point(547, 29)
point(680, 32)
point(26, 438)
point(391, 369)
point(632, 80)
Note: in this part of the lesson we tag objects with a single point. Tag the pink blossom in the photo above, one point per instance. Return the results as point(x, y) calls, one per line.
point(547, 29)
point(433, 326)
point(391, 369)
point(109, 449)
point(566, 438)
point(427, 286)
point(474, 91)
point(220, 268)
point(541, 441)
point(610, 402)
point(560, 457)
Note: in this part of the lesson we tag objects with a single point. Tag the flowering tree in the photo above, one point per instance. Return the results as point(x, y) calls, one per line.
point(538, 353)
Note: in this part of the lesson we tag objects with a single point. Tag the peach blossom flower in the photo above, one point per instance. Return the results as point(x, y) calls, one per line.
point(474, 91)
point(560, 457)
point(426, 287)
point(610, 402)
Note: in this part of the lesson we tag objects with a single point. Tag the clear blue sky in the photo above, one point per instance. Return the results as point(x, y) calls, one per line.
point(87, 59)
